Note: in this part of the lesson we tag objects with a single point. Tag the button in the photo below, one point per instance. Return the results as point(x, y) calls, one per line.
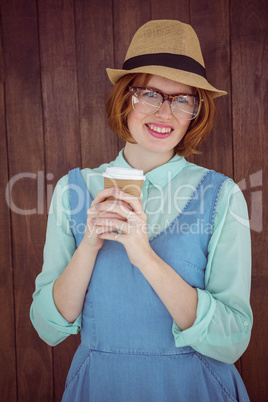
point(245, 323)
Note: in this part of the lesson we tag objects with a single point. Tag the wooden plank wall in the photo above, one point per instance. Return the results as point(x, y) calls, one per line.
point(53, 87)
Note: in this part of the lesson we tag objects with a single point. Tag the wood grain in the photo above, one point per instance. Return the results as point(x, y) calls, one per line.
point(173, 10)
point(25, 156)
point(211, 23)
point(127, 17)
point(61, 122)
point(53, 90)
point(254, 360)
point(249, 53)
point(8, 382)
point(59, 86)
point(94, 38)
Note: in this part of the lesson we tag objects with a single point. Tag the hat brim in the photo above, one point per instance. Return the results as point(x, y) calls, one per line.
point(181, 76)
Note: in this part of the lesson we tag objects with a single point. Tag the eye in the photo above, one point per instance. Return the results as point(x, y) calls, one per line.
point(182, 99)
point(150, 94)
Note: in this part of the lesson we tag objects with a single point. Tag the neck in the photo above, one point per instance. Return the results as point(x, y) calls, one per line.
point(140, 158)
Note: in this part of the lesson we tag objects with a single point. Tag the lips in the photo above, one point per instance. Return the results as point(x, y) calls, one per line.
point(158, 130)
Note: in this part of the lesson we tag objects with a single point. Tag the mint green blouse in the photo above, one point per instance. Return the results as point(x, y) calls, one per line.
point(224, 318)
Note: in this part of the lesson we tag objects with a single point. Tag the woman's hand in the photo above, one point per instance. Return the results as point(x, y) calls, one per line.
point(128, 227)
point(92, 232)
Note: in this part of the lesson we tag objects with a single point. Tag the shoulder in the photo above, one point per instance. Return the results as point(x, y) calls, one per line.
point(231, 205)
point(92, 177)
point(88, 172)
point(85, 173)
point(199, 174)
point(229, 193)
point(200, 170)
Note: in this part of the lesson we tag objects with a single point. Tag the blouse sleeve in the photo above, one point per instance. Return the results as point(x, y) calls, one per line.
point(224, 318)
point(58, 251)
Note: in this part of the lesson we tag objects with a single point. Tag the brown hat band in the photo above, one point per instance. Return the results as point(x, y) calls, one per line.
point(177, 61)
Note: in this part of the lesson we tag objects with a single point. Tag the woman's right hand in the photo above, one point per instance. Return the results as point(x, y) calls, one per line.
point(92, 232)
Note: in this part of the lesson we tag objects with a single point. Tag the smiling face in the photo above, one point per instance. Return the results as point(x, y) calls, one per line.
point(162, 131)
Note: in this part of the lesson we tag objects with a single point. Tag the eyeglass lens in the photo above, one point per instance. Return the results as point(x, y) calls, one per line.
point(184, 107)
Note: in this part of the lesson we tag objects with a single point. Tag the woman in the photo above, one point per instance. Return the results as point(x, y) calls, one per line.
point(159, 288)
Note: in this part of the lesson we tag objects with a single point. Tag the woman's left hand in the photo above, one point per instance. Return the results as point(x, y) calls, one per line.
point(132, 231)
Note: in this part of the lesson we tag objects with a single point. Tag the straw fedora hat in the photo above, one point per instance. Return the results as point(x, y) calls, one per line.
point(168, 48)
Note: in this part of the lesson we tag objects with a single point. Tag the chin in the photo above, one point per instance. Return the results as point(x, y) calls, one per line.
point(159, 148)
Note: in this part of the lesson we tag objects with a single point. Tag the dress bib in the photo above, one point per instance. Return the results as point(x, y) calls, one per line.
point(127, 351)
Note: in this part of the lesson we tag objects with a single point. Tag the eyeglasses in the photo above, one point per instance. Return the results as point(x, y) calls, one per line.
point(148, 101)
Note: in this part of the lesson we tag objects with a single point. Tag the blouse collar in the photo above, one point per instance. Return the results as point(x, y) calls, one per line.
point(161, 175)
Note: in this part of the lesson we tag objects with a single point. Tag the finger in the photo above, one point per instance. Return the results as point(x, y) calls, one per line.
point(134, 202)
point(109, 215)
point(91, 213)
point(111, 224)
point(118, 207)
point(103, 229)
point(102, 195)
point(109, 206)
point(119, 237)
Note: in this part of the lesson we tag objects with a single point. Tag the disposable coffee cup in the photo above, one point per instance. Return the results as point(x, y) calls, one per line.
point(127, 179)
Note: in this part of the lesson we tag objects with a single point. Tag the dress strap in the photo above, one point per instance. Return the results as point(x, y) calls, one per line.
point(80, 201)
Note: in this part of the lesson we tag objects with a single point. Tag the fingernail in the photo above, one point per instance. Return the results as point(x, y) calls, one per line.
point(97, 206)
point(93, 220)
point(116, 191)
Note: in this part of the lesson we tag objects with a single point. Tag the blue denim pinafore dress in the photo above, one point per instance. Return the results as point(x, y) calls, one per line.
point(127, 351)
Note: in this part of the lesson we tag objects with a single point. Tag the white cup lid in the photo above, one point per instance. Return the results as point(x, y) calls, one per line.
point(123, 173)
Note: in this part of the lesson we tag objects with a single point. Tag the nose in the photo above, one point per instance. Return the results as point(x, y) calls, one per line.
point(164, 112)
